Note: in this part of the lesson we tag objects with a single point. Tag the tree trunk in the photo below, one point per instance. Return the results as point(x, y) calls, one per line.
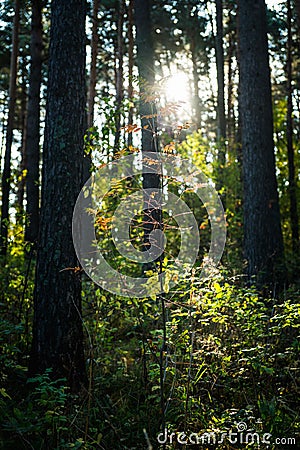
point(33, 124)
point(289, 133)
point(119, 72)
point(90, 116)
point(130, 66)
point(221, 133)
point(221, 120)
point(262, 229)
point(145, 63)
point(231, 128)
point(196, 98)
point(6, 175)
point(297, 6)
point(93, 67)
point(23, 117)
point(57, 326)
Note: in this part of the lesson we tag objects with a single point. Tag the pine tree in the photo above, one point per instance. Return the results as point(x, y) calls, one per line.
point(263, 241)
point(262, 229)
point(6, 175)
point(57, 327)
point(32, 149)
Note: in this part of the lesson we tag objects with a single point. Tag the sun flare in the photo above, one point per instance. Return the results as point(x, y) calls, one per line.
point(177, 88)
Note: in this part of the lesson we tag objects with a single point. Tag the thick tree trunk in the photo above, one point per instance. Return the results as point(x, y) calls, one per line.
point(289, 133)
point(33, 124)
point(262, 228)
point(6, 175)
point(57, 327)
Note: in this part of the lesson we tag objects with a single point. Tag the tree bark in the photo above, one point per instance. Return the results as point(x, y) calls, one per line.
point(6, 175)
point(145, 63)
point(196, 98)
point(57, 325)
point(130, 66)
point(289, 134)
point(221, 133)
point(262, 229)
point(297, 6)
point(93, 67)
point(221, 119)
point(230, 133)
point(23, 123)
point(32, 150)
point(119, 72)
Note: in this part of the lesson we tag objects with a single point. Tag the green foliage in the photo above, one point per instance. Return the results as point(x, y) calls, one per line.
point(280, 113)
point(231, 356)
point(203, 154)
point(100, 140)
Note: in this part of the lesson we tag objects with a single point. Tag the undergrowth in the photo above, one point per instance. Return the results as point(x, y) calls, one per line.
point(231, 358)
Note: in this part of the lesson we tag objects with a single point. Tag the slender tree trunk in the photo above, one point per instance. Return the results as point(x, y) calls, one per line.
point(93, 67)
point(221, 133)
point(57, 324)
point(21, 180)
point(239, 152)
point(90, 116)
point(262, 229)
point(221, 119)
point(130, 66)
point(230, 98)
point(3, 112)
point(196, 102)
point(297, 6)
point(289, 132)
point(33, 124)
point(231, 53)
point(119, 72)
point(6, 175)
point(145, 63)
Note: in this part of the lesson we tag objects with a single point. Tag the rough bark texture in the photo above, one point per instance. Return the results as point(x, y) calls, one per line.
point(262, 229)
point(289, 134)
point(33, 124)
point(6, 175)
point(57, 327)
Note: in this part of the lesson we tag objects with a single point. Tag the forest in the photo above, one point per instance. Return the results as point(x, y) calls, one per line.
point(149, 237)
